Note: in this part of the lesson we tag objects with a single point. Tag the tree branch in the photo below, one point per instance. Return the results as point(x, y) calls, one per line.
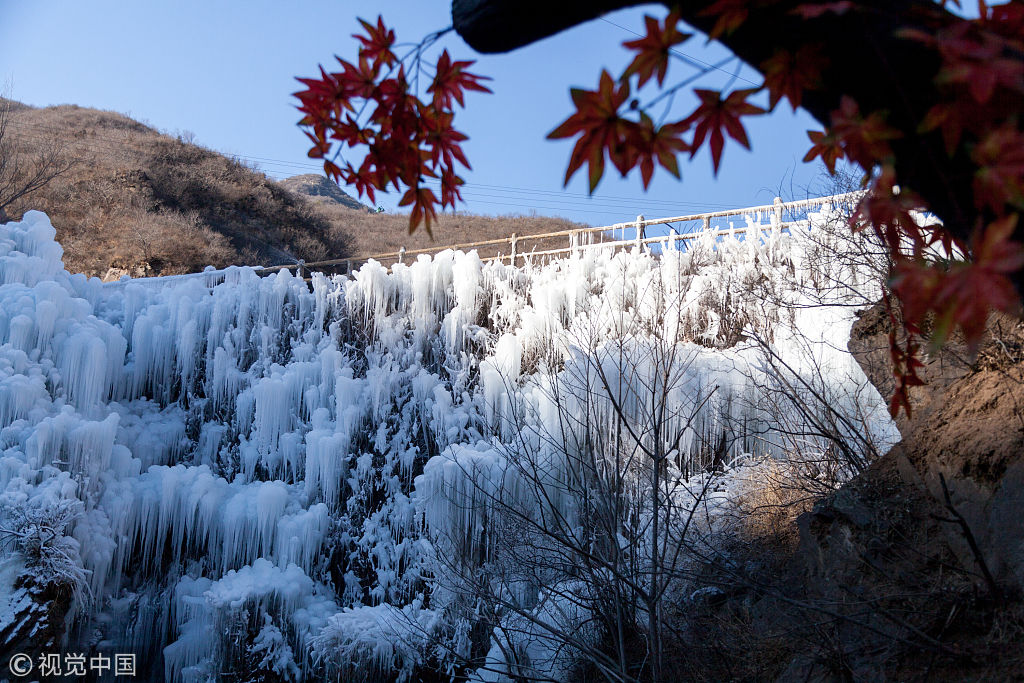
point(867, 59)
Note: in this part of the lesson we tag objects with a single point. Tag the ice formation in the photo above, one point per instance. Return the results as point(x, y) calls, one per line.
point(264, 473)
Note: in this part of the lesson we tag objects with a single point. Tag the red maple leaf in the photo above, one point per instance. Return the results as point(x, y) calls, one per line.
point(730, 15)
point(966, 297)
point(905, 365)
point(1000, 175)
point(788, 74)
point(320, 148)
point(659, 145)
point(827, 147)
point(915, 283)
point(947, 116)
point(980, 60)
point(443, 140)
point(322, 100)
point(451, 79)
point(356, 81)
point(599, 126)
point(450, 184)
point(904, 357)
point(653, 49)
point(993, 249)
point(890, 213)
point(365, 180)
point(716, 114)
point(423, 201)
point(332, 170)
point(865, 139)
point(964, 294)
point(969, 291)
point(350, 132)
point(376, 44)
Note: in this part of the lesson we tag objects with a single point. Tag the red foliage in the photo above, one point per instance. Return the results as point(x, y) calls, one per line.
point(728, 14)
point(370, 104)
point(826, 146)
point(600, 127)
point(979, 80)
point(653, 49)
point(789, 74)
point(717, 113)
point(819, 9)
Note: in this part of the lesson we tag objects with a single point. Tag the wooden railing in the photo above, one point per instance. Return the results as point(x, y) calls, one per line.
point(682, 229)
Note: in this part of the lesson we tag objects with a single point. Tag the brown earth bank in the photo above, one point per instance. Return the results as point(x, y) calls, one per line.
point(912, 571)
point(140, 202)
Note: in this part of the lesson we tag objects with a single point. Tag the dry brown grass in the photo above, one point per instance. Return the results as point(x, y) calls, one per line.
point(388, 232)
point(771, 495)
point(143, 202)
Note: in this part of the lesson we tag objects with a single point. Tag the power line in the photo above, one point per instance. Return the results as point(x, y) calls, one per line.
point(545, 199)
point(553, 200)
point(693, 61)
point(587, 197)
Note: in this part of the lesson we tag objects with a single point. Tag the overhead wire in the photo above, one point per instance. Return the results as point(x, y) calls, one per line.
point(480, 193)
point(690, 59)
point(551, 199)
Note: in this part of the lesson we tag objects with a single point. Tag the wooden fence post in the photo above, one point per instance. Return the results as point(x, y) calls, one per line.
point(401, 255)
point(707, 222)
point(778, 209)
point(302, 268)
point(640, 230)
point(515, 242)
point(348, 267)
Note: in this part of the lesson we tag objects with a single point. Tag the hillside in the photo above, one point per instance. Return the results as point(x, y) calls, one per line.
point(141, 202)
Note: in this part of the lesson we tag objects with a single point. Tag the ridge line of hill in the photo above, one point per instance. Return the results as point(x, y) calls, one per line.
point(142, 203)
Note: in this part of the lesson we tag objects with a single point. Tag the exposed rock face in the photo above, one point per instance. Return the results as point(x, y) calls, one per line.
point(922, 585)
point(319, 188)
point(35, 618)
point(967, 428)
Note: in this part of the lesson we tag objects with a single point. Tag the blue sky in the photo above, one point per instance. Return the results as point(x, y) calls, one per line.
point(225, 71)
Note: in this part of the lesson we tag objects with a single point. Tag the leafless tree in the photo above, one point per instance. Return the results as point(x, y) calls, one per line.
point(26, 168)
point(571, 539)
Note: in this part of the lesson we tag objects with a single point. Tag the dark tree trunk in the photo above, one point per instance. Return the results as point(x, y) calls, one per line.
point(506, 25)
point(866, 60)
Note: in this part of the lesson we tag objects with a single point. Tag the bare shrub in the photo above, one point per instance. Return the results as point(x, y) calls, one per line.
point(27, 165)
point(768, 497)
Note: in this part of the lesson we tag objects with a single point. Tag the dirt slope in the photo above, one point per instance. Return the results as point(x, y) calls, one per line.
point(141, 202)
point(922, 556)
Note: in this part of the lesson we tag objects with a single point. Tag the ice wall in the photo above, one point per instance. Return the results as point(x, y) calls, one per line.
point(266, 461)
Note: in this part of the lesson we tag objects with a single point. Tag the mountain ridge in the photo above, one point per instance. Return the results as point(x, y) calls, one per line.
point(141, 202)
point(319, 188)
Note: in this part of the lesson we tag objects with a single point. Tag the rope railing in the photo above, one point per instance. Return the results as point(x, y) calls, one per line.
point(576, 238)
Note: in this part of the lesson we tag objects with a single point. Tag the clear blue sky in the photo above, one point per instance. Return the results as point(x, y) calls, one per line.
point(225, 71)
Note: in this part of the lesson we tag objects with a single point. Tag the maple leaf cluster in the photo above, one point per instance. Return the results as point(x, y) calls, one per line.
point(373, 104)
point(941, 282)
point(626, 134)
point(981, 61)
point(981, 73)
point(980, 80)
